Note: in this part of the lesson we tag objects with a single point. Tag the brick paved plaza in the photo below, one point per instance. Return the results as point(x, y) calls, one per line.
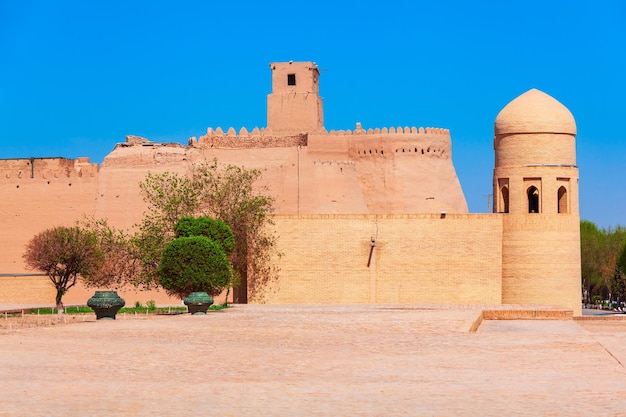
point(359, 360)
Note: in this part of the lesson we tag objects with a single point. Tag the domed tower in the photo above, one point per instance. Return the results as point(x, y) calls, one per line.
point(535, 185)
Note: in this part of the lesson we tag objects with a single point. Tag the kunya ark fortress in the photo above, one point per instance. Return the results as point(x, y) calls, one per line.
point(362, 216)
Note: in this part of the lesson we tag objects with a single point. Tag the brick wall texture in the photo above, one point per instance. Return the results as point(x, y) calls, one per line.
point(416, 258)
point(26, 289)
point(542, 260)
point(455, 259)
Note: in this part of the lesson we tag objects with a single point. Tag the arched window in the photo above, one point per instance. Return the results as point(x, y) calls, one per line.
point(562, 195)
point(533, 200)
point(504, 192)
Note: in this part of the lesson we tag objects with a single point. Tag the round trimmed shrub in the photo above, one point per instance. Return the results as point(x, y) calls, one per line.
point(194, 264)
point(214, 229)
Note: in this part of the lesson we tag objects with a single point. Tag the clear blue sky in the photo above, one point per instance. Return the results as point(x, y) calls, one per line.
point(77, 76)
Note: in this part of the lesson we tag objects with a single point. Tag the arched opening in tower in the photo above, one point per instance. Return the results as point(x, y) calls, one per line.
point(562, 195)
point(533, 199)
point(504, 193)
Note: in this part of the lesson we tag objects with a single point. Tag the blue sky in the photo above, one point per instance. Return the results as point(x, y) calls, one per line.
point(76, 77)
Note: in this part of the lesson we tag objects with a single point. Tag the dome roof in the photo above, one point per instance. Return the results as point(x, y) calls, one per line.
point(535, 112)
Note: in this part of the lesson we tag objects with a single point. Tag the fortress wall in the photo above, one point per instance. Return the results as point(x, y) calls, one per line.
point(257, 138)
point(57, 192)
point(328, 186)
point(119, 197)
point(399, 170)
point(541, 260)
point(406, 170)
point(416, 259)
point(380, 141)
point(435, 140)
point(26, 289)
point(127, 166)
point(410, 182)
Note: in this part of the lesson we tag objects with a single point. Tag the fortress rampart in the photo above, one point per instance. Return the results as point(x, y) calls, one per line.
point(396, 139)
point(362, 215)
point(46, 168)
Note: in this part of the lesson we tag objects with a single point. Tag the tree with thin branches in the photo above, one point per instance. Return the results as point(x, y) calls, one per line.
point(225, 192)
point(119, 264)
point(64, 254)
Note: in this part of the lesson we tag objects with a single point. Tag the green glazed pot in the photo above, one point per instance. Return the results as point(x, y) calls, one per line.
point(198, 302)
point(106, 304)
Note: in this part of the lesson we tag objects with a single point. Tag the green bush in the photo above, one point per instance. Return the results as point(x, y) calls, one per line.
point(216, 230)
point(596, 299)
point(192, 264)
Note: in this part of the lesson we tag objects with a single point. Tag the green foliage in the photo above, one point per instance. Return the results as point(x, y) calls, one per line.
point(225, 193)
point(218, 306)
point(600, 251)
point(137, 308)
point(617, 284)
point(64, 254)
point(68, 310)
point(621, 261)
point(191, 264)
point(215, 230)
point(169, 197)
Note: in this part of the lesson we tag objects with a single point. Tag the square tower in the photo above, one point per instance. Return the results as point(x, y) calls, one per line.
point(294, 106)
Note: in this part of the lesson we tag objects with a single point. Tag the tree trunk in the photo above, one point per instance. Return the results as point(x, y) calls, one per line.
point(240, 292)
point(227, 294)
point(60, 309)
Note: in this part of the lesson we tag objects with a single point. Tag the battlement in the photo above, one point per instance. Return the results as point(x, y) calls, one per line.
point(257, 138)
point(265, 137)
point(408, 131)
point(400, 141)
point(46, 168)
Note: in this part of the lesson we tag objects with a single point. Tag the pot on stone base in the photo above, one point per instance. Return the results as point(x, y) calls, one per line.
point(198, 302)
point(106, 304)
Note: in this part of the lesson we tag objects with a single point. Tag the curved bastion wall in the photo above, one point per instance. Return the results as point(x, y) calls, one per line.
point(389, 170)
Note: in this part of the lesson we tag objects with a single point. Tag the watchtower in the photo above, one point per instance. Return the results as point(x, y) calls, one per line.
point(535, 184)
point(295, 106)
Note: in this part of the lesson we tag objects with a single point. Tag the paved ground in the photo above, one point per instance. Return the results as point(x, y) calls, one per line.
point(315, 361)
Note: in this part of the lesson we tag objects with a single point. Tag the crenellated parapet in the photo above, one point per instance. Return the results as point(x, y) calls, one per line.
point(398, 141)
point(46, 168)
point(257, 138)
point(408, 131)
point(265, 138)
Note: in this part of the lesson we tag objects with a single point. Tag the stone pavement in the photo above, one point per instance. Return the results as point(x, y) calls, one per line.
point(312, 360)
